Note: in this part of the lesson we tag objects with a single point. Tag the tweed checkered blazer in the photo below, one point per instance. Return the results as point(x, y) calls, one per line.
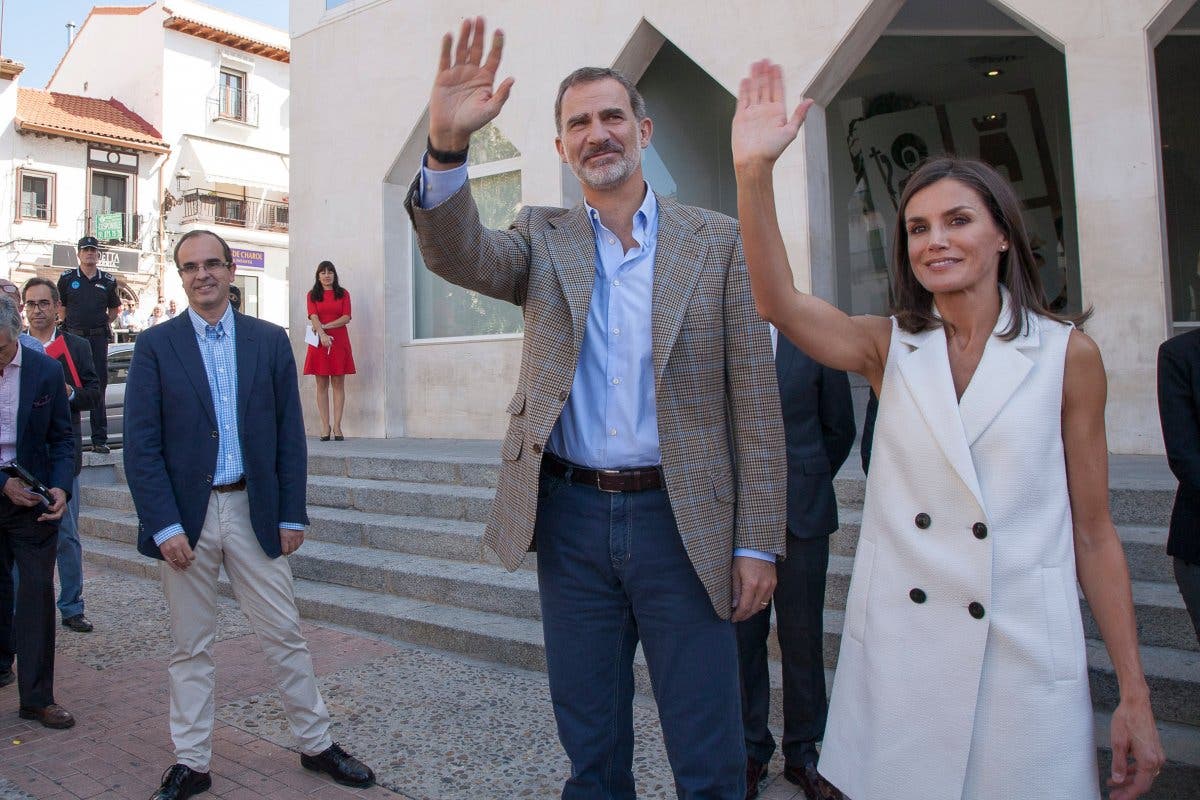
point(716, 395)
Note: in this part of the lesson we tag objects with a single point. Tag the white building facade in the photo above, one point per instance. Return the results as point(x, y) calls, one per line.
point(1090, 107)
point(217, 87)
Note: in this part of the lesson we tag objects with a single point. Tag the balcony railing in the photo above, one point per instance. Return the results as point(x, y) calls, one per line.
point(114, 227)
point(226, 102)
point(201, 205)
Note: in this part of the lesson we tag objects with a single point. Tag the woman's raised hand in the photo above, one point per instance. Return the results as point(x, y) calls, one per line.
point(762, 129)
point(463, 99)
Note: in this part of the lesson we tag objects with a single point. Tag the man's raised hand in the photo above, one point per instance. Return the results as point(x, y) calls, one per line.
point(762, 129)
point(463, 99)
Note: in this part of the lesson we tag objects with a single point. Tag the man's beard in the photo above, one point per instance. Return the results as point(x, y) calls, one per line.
point(608, 175)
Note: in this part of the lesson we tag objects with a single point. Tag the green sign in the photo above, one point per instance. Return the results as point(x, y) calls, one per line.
point(109, 226)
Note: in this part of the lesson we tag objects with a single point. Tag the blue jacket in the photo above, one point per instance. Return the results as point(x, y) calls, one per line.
point(171, 431)
point(45, 443)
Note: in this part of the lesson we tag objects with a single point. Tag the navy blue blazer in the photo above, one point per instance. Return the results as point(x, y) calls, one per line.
point(818, 425)
point(171, 431)
point(1179, 412)
point(45, 445)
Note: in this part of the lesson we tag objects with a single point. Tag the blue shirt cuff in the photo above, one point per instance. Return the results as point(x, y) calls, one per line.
point(438, 186)
point(746, 552)
point(167, 533)
point(292, 526)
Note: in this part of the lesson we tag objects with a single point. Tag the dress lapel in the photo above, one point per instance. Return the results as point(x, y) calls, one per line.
point(1001, 371)
point(183, 342)
point(572, 247)
point(678, 260)
point(926, 372)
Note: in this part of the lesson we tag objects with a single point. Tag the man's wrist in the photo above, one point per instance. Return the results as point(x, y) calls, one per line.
point(447, 156)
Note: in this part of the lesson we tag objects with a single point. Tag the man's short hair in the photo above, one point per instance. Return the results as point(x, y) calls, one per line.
point(591, 75)
point(10, 316)
point(201, 232)
point(41, 282)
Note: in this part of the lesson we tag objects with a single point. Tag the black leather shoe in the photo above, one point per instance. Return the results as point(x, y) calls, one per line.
point(814, 785)
point(755, 772)
point(341, 766)
point(78, 623)
point(180, 782)
point(6, 677)
point(100, 448)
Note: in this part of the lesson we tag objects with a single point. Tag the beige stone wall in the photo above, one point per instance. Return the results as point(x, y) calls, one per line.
point(359, 96)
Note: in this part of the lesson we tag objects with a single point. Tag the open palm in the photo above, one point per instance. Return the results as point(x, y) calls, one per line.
point(762, 129)
point(463, 99)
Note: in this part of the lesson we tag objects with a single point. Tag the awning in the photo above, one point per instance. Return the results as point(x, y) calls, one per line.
point(223, 162)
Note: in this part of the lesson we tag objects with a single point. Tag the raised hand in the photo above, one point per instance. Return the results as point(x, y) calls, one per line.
point(762, 129)
point(463, 99)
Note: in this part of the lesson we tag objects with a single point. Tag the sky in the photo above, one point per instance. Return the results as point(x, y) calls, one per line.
point(35, 31)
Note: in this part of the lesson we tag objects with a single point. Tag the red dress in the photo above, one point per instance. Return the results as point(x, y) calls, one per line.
point(339, 359)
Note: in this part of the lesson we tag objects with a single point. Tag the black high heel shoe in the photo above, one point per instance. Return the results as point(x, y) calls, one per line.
point(325, 438)
point(339, 438)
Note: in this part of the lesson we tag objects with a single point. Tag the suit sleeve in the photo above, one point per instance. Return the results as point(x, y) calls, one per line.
point(837, 417)
point(456, 246)
point(1177, 414)
point(60, 436)
point(145, 466)
point(291, 449)
point(757, 421)
point(88, 395)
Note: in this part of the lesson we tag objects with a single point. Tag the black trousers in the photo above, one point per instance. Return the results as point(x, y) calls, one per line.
point(799, 604)
point(99, 414)
point(29, 634)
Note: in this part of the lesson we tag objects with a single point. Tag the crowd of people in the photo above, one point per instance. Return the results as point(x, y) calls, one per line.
point(680, 412)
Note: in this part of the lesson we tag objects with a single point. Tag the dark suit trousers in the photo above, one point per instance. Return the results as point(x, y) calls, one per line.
point(33, 547)
point(799, 602)
point(99, 414)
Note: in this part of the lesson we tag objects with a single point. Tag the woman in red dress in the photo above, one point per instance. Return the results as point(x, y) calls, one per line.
point(331, 360)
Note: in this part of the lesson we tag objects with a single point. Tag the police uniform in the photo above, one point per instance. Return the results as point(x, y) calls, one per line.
point(86, 302)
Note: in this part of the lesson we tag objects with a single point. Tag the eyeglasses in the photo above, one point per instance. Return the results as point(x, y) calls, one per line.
point(212, 265)
point(42, 305)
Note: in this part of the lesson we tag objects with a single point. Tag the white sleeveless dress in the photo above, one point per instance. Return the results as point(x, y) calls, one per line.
point(963, 672)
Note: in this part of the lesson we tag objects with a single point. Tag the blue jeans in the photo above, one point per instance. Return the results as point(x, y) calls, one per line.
point(612, 570)
point(70, 558)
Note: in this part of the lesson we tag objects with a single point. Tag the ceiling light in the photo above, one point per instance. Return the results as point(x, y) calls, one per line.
point(994, 73)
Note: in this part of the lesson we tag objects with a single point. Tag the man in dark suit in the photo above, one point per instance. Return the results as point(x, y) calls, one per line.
point(818, 423)
point(35, 431)
point(1179, 412)
point(217, 469)
point(42, 307)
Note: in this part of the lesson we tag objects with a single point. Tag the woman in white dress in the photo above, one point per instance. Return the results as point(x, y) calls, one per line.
point(963, 671)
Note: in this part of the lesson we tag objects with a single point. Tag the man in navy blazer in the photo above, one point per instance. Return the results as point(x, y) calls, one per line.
point(35, 431)
point(818, 425)
point(216, 461)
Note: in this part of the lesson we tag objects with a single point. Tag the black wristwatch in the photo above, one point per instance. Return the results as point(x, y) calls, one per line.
point(446, 156)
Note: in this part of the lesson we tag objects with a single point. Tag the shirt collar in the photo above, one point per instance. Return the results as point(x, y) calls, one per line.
point(645, 219)
point(224, 324)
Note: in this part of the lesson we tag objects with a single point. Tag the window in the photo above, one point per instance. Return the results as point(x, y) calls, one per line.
point(108, 203)
point(441, 309)
point(232, 89)
point(36, 200)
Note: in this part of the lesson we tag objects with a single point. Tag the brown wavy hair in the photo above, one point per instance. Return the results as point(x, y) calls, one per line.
point(913, 303)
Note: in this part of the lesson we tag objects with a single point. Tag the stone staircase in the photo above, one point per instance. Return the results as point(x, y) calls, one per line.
point(394, 549)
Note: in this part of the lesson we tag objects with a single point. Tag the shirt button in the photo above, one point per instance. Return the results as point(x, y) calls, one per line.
point(616, 381)
point(611, 240)
point(612, 431)
point(617, 283)
point(975, 610)
point(616, 331)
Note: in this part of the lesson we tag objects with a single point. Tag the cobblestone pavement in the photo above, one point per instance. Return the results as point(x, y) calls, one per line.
point(432, 725)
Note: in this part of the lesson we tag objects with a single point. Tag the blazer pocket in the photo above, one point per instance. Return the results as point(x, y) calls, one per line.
point(1064, 642)
point(723, 487)
point(860, 587)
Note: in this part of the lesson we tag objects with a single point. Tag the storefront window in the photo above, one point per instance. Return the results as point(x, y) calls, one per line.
point(999, 98)
point(441, 309)
point(1175, 61)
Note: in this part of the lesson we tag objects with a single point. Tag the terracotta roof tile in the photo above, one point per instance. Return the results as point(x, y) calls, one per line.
point(86, 118)
point(120, 9)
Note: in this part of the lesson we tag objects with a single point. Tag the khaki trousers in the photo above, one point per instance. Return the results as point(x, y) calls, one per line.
point(263, 588)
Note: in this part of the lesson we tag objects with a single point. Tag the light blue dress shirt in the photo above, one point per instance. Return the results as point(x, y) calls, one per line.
point(614, 378)
point(218, 350)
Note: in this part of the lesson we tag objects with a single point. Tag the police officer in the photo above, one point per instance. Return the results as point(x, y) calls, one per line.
point(89, 297)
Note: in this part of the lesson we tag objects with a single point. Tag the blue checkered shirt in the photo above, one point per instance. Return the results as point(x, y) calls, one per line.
point(218, 349)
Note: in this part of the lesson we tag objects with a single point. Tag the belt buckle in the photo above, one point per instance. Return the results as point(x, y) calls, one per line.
point(601, 472)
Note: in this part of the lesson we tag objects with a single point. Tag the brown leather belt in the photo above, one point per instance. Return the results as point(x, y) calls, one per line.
point(237, 486)
point(637, 479)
